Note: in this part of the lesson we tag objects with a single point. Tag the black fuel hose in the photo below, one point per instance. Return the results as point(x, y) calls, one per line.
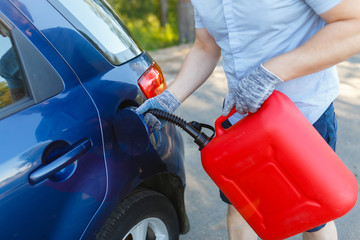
point(193, 128)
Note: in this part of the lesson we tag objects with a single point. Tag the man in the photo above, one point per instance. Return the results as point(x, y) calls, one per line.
point(288, 45)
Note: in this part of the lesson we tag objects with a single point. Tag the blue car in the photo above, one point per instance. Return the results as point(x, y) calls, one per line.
point(76, 161)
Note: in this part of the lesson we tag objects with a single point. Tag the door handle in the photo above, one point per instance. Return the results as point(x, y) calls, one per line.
point(46, 171)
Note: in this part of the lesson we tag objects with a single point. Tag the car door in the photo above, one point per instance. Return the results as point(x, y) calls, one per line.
point(52, 168)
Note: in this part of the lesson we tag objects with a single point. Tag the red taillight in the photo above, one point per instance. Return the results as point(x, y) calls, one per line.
point(152, 82)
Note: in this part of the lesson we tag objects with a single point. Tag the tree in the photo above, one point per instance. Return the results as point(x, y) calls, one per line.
point(185, 21)
point(163, 12)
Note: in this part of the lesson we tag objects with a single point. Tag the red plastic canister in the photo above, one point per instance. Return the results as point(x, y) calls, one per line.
point(278, 172)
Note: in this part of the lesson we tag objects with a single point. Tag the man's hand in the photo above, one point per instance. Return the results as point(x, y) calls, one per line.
point(166, 102)
point(251, 91)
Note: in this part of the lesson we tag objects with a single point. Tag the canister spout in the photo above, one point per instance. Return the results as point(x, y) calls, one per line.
point(193, 128)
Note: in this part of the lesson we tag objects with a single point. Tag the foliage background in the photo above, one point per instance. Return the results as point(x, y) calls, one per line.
point(142, 17)
point(5, 98)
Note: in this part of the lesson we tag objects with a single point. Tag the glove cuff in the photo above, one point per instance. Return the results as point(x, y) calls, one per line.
point(263, 72)
point(168, 101)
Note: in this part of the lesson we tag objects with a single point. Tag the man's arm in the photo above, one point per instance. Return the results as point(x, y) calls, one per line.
point(195, 70)
point(197, 66)
point(336, 42)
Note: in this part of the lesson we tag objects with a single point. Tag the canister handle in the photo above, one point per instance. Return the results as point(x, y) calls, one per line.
point(219, 130)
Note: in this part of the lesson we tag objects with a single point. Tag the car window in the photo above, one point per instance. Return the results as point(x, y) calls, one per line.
point(12, 87)
point(97, 22)
point(26, 76)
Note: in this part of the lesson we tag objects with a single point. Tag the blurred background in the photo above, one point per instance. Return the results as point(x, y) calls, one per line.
point(157, 23)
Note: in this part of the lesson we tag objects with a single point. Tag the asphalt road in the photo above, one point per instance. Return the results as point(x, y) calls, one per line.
point(206, 212)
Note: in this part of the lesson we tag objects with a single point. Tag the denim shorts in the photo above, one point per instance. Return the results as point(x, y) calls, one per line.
point(326, 125)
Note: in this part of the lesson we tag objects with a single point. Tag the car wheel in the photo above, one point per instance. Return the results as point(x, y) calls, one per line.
point(144, 215)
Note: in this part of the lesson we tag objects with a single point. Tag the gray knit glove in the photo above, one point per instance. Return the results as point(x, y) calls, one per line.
point(251, 91)
point(166, 101)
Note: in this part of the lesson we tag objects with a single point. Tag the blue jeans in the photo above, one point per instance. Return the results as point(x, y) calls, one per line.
point(326, 125)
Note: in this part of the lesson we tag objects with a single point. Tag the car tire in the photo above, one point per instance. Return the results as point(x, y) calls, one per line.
point(143, 215)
